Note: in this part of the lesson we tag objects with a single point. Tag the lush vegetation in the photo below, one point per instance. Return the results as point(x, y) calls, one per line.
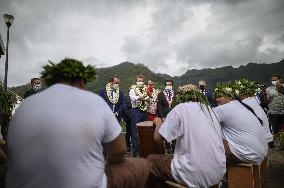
point(7, 103)
point(128, 71)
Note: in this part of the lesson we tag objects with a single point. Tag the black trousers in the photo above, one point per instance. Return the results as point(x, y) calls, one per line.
point(276, 120)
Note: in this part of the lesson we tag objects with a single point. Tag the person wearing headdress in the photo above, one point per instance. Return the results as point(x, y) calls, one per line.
point(114, 97)
point(247, 90)
point(56, 137)
point(199, 143)
point(140, 100)
point(244, 137)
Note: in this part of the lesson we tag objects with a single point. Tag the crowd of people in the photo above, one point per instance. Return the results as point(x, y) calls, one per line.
point(65, 136)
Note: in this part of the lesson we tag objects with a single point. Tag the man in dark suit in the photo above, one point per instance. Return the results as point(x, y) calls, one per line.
point(36, 86)
point(207, 94)
point(165, 100)
point(114, 97)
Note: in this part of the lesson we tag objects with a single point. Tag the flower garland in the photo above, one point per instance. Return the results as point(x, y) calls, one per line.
point(169, 99)
point(67, 69)
point(246, 87)
point(141, 91)
point(226, 89)
point(111, 98)
point(188, 93)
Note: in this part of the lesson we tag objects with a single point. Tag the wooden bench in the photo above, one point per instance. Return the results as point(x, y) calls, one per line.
point(176, 185)
point(246, 175)
point(240, 176)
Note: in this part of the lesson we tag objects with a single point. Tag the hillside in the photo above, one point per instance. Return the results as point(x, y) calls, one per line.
point(128, 71)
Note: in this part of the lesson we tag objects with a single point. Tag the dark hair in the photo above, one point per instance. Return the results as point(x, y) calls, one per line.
point(111, 79)
point(169, 80)
point(277, 76)
point(34, 79)
point(140, 76)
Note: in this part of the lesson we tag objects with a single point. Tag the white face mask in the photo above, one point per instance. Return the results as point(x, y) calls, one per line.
point(37, 87)
point(169, 87)
point(140, 84)
point(273, 83)
point(115, 86)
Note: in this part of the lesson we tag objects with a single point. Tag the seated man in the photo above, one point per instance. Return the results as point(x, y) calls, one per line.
point(56, 137)
point(199, 159)
point(244, 136)
point(247, 90)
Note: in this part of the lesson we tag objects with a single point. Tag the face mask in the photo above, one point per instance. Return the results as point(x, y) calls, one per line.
point(115, 86)
point(169, 87)
point(36, 86)
point(202, 87)
point(273, 83)
point(150, 88)
point(140, 84)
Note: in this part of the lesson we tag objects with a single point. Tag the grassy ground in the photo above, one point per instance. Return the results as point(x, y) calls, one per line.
point(274, 178)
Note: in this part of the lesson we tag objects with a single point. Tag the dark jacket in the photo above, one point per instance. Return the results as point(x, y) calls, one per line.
point(209, 97)
point(162, 106)
point(118, 107)
point(30, 93)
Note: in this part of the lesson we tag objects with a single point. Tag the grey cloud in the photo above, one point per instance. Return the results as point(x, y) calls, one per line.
point(168, 36)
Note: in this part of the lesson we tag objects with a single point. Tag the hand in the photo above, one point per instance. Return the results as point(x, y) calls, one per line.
point(141, 97)
point(158, 122)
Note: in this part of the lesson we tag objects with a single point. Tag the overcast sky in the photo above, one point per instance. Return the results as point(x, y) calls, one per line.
point(168, 36)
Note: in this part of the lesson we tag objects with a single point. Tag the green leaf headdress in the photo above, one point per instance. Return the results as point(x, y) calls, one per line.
point(188, 93)
point(226, 89)
point(69, 70)
point(246, 87)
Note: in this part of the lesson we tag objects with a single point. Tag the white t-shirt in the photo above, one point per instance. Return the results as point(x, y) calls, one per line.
point(243, 132)
point(199, 159)
point(55, 140)
point(252, 102)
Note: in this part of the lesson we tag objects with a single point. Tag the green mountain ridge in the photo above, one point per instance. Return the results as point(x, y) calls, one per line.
point(128, 71)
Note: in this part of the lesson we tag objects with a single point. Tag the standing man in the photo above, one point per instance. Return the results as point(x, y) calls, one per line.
point(275, 94)
point(60, 144)
point(139, 100)
point(164, 105)
point(114, 97)
point(165, 100)
point(36, 86)
point(207, 94)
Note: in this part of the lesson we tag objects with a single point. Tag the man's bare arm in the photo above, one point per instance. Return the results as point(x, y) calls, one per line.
point(116, 150)
point(157, 137)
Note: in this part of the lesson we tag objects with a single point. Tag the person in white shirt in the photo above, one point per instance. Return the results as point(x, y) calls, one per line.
point(140, 101)
point(247, 90)
point(56, 137)
point(244, 137)
point(199, 158)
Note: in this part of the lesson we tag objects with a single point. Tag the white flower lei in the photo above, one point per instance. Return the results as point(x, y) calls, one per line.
point(109, 90)
point(143, 105)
